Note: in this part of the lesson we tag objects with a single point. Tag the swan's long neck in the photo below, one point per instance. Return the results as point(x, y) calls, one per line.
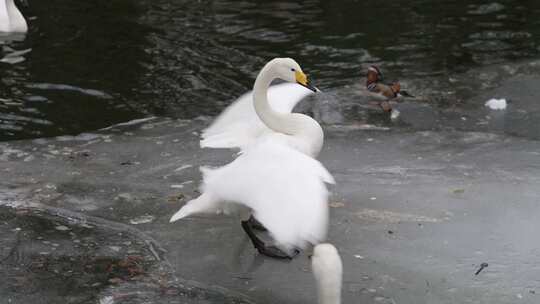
point(327, 269)
point(279, 122)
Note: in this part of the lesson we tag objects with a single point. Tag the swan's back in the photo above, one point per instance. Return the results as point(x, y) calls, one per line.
point(284, 188)
point(239, 126)
point(327, 268)
point(11, 19)
point(4, 17)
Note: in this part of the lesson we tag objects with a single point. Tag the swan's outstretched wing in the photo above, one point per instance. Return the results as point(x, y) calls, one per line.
point(284, 188)
point(238, 125)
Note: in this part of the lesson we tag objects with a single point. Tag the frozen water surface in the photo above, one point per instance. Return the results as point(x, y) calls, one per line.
point(414, 214)
point(496, 104)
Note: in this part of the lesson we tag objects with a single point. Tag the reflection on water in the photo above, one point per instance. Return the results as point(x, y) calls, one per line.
point(95, 63)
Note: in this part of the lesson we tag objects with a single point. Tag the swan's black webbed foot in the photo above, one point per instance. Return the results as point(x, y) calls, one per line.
point(270, 251)
point(274, 252)
point(255, 224)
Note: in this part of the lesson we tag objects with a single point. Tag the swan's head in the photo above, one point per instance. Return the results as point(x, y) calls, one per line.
point(289, 70)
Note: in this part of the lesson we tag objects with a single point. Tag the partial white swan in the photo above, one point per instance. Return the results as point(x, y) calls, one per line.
point(11, 19)
point(327, 269)
point(281, 187)
point(268, 110)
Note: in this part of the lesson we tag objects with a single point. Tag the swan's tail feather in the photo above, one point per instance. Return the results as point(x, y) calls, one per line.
point(180, 214)
point(327, 269)
point(327, 177)
point(323, 173)
point(205, 203)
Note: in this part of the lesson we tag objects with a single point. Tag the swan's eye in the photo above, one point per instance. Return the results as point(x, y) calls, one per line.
point(293, 70)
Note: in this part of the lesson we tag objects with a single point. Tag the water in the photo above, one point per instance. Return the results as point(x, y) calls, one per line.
point(93, 64)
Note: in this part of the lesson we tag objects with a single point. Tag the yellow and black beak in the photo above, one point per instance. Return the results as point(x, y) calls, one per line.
point(302, 80)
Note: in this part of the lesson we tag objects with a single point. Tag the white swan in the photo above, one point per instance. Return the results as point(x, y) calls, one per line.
point(327, 269)
point(275, 179)
point(11, 19)
point(268, 110)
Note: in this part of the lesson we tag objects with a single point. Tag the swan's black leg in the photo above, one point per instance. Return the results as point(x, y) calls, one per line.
point(270, 251)
point(256, 224)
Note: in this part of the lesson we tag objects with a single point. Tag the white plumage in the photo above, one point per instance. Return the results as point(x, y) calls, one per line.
point(327, 268)
point(267, 110)
point(238, 125)
point(11, 19)
point(275, 179)
point(283, 188)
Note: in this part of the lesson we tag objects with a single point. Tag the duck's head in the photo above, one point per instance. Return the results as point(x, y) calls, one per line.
point(374, 74)
point(289, 70)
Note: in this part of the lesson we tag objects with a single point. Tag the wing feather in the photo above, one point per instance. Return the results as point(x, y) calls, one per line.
point(239, 126)
point(284, 188)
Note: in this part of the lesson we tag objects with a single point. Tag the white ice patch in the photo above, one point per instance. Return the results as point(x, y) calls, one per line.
point(358, 127)
point(180, 186)
point(61, 228)
point(395, 114)
point(15, 56)
point(496, 104)
point(80, 137)
point(130, 123)
point(143, 219)
point(182, 168)
point(6, 152)
point(107, 300)
point(393, 217)
point(12, 59)
point(115, 248)
point(66, 87)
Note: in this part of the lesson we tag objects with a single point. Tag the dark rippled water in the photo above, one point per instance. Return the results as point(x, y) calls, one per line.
point(88, 64)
